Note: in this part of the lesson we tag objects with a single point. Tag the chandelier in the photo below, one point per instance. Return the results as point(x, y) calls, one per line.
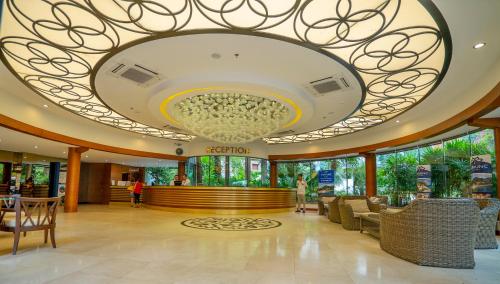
point(230, 117)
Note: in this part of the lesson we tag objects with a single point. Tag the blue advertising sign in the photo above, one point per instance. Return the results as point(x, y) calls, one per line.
point(326, 176)
point(482, 177)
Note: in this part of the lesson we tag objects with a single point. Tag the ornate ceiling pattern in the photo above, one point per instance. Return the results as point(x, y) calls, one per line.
point(401, 50)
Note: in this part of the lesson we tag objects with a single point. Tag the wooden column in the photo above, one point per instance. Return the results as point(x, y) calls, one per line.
point(181, 168)
point(371, 174)
point(73, 179)
point(273, 175)
point(497, 153)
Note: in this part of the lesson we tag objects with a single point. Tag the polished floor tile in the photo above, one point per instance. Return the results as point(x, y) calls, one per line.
point(119, 244)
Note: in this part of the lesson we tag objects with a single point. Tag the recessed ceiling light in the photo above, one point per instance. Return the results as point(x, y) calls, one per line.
point(44, 161)
point(479, 45)
point(36, 147)
point(397, 121)
point(64, 152)
point(45, 106)
point(25, 157)
point(86, 156)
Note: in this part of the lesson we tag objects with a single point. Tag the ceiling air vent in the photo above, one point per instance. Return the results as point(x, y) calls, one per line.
point(328, 85)
point(136, 73)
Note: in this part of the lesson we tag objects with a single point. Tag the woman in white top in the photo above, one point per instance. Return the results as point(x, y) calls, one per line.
point(185, 180)
point(301, 193)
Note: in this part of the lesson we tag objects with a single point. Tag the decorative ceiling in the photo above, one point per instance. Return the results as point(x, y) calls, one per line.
point(400, 50)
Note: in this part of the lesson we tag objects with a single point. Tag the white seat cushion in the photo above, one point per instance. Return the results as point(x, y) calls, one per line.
point(358, 205)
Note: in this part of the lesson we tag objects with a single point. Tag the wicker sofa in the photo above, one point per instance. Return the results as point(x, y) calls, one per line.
point(432, 232)
point(349, 218)
point(488, 216)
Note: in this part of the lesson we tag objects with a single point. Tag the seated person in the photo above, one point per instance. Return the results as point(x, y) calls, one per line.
point(185, 180)
point(172, 182)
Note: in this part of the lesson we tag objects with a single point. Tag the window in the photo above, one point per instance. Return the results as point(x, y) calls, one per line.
point(228, 171)
point(237, 172)
point(450, 167)
point(160, 175)
point(256, 172)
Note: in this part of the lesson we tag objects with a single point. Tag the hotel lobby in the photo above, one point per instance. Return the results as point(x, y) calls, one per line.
point(245, 141)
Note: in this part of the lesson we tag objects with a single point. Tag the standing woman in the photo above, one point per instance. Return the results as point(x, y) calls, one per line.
point(137, 192)
point(301, 193)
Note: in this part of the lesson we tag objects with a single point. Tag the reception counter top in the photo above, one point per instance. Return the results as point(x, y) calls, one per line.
point(213, 199)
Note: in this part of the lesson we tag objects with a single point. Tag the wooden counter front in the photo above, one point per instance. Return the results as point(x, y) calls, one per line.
point(219, 199)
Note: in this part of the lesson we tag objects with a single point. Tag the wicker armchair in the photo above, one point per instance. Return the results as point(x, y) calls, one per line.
point(348, 218)
point(488, 216)
point(432, 232)
point(333, 211)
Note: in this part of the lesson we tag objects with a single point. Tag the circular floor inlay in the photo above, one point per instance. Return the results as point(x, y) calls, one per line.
point(231, 224)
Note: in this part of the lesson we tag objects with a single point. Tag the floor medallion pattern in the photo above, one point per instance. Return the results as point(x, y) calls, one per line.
point(231, 224)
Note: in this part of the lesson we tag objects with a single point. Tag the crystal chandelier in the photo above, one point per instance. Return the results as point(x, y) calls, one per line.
point(230, 117)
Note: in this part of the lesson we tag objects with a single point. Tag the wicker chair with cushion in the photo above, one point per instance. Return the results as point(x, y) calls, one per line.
point(488, 216)
point(351, 206)
point(322, 201)
point(432, 232)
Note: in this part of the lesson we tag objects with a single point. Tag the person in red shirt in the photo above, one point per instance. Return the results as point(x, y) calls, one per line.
point(137, 192)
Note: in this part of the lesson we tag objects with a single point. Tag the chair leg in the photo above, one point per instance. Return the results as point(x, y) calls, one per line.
point(45, 235)
point(17, 236)
point(24, 234)
point(53, 237)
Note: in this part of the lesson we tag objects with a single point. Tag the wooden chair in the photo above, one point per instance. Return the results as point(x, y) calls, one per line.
point(32, 214)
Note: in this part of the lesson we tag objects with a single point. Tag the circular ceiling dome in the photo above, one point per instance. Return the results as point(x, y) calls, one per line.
point(395, 54)
point(231, 117)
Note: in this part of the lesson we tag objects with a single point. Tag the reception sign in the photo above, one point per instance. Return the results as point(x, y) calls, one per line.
point(326, 181)
point(424, 181)
point(481, 171)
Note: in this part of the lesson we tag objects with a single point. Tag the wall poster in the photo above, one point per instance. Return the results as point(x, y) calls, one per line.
point(481, 175)
point(424, 181)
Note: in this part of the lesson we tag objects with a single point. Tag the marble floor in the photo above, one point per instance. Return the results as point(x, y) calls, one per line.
point(119, 244)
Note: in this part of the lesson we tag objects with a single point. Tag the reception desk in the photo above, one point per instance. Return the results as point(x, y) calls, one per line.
point(215, 199)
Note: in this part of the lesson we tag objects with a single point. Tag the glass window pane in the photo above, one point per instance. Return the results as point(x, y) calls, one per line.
point(340, 177)
point(255, 172)
point(386, 176)
point(356, 176)
point(160, 175)
point(433, 155)
point(217, 171)
point(286, 174)
point(266, 181)
point(457, 167)
point(237, 173)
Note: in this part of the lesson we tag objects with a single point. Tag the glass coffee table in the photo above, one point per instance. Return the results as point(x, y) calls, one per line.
point(370, 223)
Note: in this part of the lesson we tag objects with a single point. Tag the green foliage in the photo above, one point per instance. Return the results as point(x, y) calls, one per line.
point(161, 175)
point(40, 174)
point(450, 167)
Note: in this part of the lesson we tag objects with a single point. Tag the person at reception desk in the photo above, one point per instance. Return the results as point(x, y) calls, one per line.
point(175, 181)
point(185, 180)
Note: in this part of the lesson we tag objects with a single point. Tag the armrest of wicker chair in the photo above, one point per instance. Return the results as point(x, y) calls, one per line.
point(333, 211)
point(349, 222)
point(485, 237)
